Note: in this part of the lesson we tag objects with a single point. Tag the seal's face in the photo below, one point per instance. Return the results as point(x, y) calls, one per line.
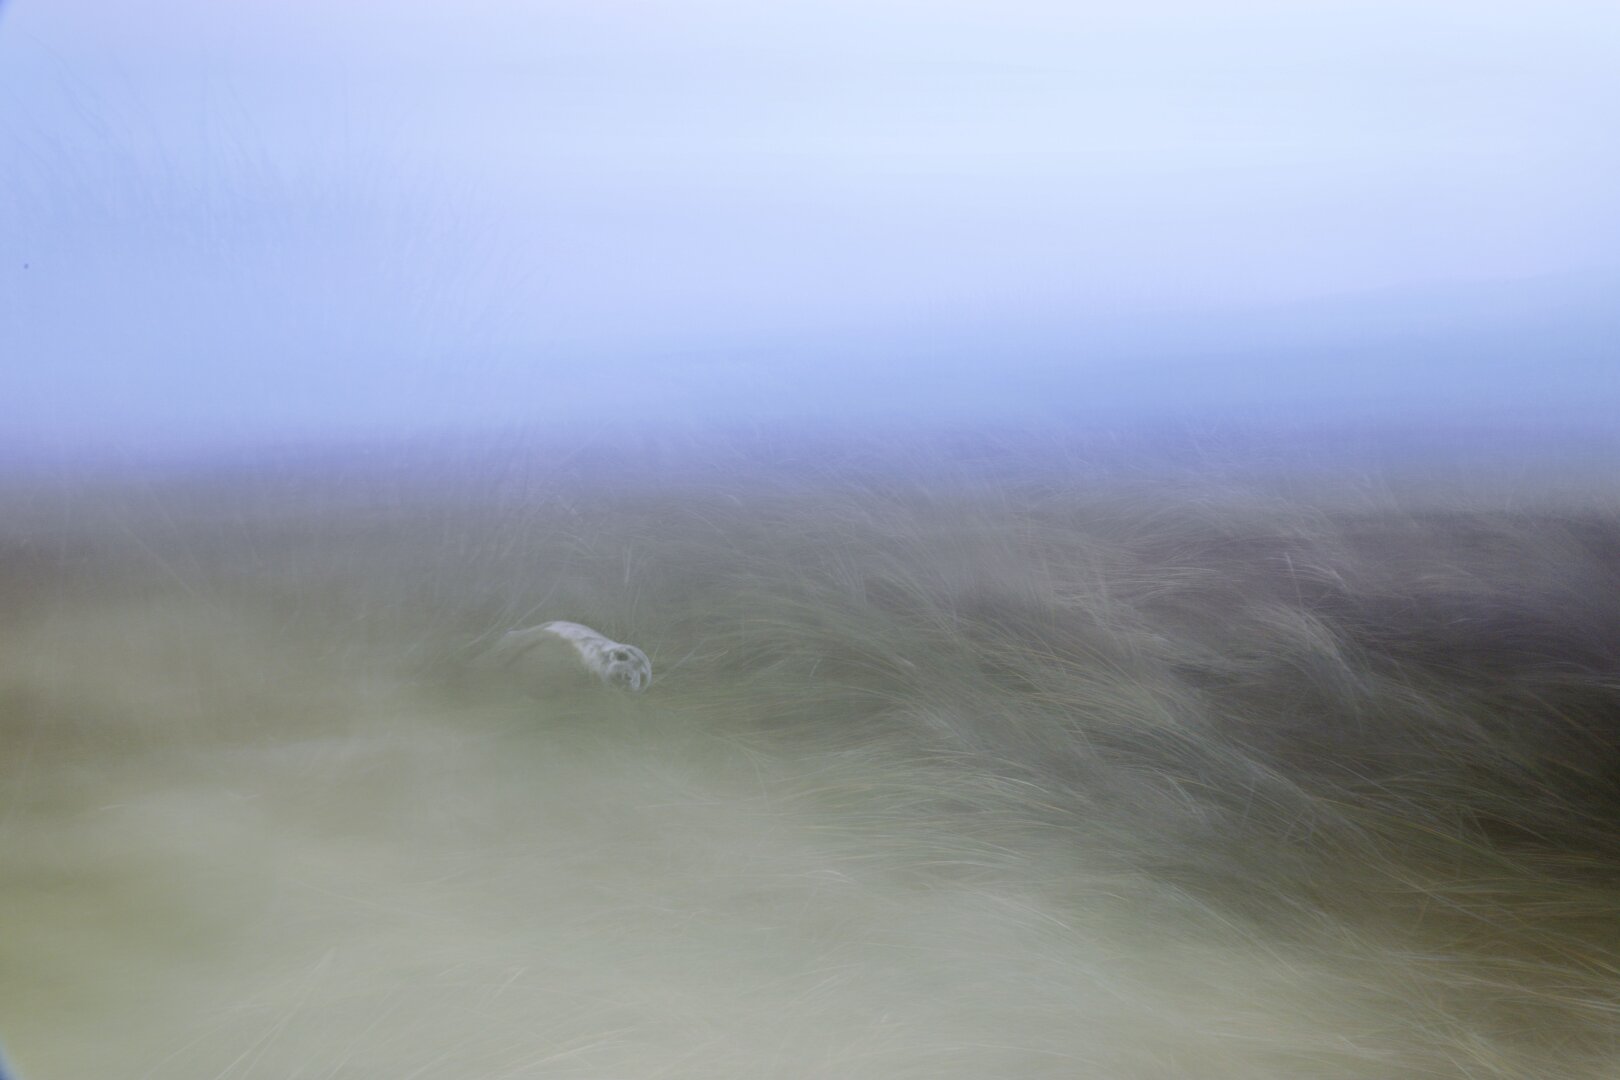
point(628, 667)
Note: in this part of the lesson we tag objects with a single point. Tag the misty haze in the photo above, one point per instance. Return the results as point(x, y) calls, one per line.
point(827, 540)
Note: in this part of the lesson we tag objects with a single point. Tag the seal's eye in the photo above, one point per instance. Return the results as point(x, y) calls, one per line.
point(621, 654)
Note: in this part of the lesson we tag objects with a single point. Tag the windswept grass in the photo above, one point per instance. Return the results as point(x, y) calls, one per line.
point(977, 779)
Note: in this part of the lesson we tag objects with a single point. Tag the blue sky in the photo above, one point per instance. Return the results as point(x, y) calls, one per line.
point(229, 223)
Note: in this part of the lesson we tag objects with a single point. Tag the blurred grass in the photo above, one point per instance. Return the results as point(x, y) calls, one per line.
point(980, 779)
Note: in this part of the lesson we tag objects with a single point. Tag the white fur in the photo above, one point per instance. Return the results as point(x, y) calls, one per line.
point(533, 650)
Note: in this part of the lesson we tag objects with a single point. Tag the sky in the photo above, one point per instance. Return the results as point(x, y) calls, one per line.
point(226, 224)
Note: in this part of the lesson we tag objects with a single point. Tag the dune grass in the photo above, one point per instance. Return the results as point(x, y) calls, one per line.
point(935, 779)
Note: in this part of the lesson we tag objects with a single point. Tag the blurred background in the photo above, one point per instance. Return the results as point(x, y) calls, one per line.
point(230, 227)
point(911, 382)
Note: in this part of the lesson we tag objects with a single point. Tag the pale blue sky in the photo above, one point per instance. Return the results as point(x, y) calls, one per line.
point(230, 222)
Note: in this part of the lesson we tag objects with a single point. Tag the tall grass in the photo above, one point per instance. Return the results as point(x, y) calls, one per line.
point(985, 778)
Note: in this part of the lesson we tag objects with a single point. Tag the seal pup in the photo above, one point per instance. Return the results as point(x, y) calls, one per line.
point(553, 654)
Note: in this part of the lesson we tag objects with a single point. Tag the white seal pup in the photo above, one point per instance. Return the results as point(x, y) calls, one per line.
point(552, 654)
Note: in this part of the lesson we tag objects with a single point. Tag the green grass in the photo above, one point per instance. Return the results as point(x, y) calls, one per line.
point(985, 778)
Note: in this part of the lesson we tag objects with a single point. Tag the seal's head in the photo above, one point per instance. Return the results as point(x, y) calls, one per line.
point(628, 667)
